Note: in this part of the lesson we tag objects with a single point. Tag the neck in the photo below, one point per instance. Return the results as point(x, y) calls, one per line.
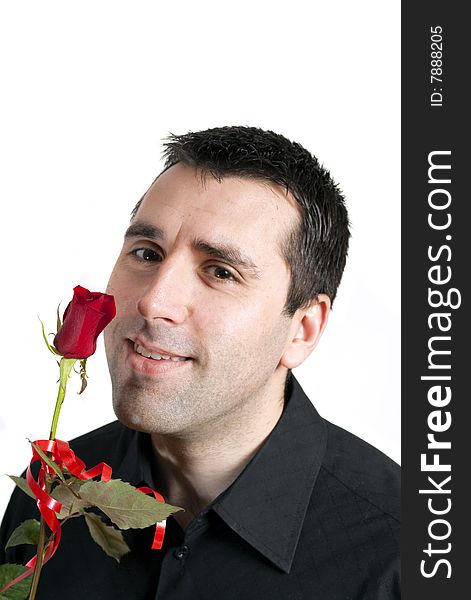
point(194, 468)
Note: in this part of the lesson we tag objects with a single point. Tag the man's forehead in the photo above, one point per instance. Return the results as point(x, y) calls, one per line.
point(244, 199)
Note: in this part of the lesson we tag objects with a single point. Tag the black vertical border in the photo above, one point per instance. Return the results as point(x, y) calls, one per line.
point(427, 128)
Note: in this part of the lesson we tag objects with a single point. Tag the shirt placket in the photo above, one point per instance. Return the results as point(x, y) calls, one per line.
point(175, 578)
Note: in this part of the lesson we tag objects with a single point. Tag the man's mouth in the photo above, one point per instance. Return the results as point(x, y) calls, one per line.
point(148, 353)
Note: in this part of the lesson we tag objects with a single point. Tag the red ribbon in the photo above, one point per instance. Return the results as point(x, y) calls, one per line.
point(62, 454)
point(160, 526)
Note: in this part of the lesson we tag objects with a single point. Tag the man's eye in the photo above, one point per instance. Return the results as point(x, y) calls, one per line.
point(146, 254)
point(222, 273)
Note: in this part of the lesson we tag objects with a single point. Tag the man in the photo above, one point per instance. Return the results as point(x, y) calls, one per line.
point(223, 285)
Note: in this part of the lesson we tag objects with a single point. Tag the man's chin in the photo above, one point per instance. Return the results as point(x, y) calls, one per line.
point(144, 419)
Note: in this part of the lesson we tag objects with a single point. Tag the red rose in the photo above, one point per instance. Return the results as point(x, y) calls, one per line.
point(84, 319)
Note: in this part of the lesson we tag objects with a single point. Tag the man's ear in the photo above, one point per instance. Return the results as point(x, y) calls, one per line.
point(307, 327)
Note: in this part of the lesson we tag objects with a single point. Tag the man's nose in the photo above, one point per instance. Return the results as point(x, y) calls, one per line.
point(167, 292)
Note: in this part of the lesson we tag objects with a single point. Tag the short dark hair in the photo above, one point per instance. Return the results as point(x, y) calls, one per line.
point(316, 249)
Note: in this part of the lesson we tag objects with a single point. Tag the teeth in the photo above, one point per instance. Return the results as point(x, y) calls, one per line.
point(144, 352)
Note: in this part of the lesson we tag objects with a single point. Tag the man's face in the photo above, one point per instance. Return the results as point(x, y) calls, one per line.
point(201, 279)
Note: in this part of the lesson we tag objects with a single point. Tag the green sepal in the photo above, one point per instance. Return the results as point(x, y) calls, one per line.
point(50, 346)
point(26, 533)
point(83, 374)
point(58, 322)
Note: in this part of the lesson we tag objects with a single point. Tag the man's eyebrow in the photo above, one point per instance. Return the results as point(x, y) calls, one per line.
point(141, 229)
point(228, 254)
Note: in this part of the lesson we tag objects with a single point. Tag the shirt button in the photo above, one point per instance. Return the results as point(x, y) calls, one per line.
point(181, 552)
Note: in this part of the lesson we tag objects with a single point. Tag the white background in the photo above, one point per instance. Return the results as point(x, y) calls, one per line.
point(88, 91)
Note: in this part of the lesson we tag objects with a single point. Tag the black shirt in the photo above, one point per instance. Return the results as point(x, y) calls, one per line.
point(313, 516)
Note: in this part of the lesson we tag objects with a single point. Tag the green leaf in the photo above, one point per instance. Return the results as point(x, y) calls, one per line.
point(26, 533)
point(19, 591)
point(23, 485)
point(48, 461)
point(70, 503)
point(110, 539)
point(125, 505)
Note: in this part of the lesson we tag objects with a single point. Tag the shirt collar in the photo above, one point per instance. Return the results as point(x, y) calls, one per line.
point(135, 466)
point(267, 503)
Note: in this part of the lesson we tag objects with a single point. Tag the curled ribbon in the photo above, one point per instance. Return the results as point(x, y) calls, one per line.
point(62, 454)
point(160, 526)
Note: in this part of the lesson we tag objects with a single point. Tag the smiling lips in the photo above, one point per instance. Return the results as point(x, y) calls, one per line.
point(156, 356)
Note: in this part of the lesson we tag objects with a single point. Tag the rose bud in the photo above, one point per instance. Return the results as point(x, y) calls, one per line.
point(84, 319)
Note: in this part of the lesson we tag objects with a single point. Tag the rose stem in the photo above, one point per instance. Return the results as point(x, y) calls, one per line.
point(66, 365)
point(39, 557)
